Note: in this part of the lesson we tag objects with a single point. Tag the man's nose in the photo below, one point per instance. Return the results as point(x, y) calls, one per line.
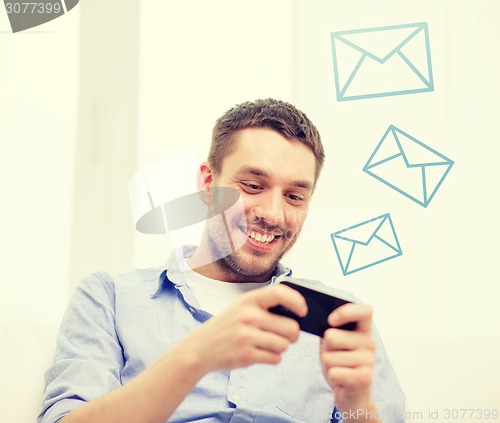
point(271, 209)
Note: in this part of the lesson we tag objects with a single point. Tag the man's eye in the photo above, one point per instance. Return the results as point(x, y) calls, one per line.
point(249, 187)
point(296, 199)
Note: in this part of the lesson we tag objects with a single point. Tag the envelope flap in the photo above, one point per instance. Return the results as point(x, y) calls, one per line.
point(380, 43)
point(387, 234)
point(386, 149)
point(417, 153)
point(361, 233)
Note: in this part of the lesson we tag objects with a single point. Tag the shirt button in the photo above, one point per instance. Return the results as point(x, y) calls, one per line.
point(236, 398)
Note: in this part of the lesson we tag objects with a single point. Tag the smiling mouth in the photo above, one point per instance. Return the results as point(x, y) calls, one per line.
point(262, 238)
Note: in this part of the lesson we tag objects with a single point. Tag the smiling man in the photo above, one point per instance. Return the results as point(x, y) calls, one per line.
point(199, 344)
point(275, 177)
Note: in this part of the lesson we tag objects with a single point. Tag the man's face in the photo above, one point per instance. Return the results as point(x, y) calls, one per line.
point(275, 178)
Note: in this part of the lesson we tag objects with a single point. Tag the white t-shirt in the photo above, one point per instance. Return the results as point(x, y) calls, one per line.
point(213, 295)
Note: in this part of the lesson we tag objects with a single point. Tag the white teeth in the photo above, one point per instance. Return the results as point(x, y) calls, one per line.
point(265, 239)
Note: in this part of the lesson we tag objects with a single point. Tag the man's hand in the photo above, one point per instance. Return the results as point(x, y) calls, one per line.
point(246, 332)
point(347, 359)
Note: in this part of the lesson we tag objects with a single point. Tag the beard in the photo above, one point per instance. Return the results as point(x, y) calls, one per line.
point(241, 265)
point(226, 238)
point(235, 264)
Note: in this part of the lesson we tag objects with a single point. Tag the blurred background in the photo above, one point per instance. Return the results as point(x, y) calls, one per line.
point(92, 97)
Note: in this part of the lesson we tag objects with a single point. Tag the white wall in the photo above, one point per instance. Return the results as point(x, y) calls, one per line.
point(38, 109)
point(38, 131)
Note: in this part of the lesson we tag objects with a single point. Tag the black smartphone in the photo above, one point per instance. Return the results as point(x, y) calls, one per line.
point(320, 303)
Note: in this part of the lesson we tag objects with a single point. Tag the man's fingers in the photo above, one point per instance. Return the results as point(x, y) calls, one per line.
point(283, 326)
point(359, 313)
point(268, 322)
point(281, 295)
point(339, 339)
point(348, 358)
point(265, 357)
point(351, 378)
point(271, 342)
point(253, 345)
point(252, 311)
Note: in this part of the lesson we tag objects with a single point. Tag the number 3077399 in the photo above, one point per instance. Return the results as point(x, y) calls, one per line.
point(470, 413)
point(26, 8)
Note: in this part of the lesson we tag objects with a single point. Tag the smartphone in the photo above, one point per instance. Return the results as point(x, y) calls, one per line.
point(320, 303)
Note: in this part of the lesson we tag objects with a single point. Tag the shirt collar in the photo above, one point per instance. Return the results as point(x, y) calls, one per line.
point(174, 275)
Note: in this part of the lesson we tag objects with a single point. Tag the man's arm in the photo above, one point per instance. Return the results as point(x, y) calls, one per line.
point(347, 359)
point(152, 396)
point(244, 334)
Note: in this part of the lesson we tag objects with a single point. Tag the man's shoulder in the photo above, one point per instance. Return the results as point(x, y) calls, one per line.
point(144, 274)
point(110, 282)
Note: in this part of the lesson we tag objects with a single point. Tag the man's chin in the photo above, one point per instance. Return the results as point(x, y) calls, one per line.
point(248, 269)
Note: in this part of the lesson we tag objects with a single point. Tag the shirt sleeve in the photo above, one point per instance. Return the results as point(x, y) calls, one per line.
point(386, 390)
point(89, 359)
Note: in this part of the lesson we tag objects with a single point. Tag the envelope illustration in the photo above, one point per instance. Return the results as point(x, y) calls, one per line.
point(408, 166)
point(366, 244)
point(383, 61)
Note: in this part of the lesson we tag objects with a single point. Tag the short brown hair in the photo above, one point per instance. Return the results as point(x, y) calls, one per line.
point(277, 115)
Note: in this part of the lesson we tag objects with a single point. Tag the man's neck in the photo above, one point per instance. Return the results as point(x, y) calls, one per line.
point(217, 271)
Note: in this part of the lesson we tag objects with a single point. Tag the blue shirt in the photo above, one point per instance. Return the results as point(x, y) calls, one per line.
point(116, 326)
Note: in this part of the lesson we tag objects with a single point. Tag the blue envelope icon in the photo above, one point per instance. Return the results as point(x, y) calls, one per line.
point(382, 61)
point(408, 166)
point(366, 244)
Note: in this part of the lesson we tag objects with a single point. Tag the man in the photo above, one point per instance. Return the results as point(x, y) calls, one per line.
point(196, 341)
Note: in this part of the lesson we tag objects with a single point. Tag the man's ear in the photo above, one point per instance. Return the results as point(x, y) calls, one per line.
point(204, 182)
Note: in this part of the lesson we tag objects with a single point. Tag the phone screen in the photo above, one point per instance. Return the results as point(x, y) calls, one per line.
point(319, 305)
